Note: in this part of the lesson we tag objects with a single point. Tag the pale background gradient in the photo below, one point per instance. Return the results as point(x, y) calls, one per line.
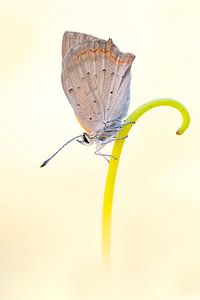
point(50, 219)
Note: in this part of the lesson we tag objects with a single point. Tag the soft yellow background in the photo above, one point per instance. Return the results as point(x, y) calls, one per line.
point(50, 219)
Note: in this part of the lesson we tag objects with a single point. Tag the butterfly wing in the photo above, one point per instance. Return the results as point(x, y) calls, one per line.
point(96, 81)
point(116, 90)
point(71, 39)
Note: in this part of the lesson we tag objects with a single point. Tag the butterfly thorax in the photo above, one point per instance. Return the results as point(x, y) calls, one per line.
point(107, 133)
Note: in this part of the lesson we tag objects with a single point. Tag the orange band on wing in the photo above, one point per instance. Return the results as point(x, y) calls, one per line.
point(108, 53)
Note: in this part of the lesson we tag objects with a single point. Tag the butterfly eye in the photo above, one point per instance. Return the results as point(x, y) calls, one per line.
point(85, 138)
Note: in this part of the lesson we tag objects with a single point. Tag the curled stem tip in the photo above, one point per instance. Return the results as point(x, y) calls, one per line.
point(116, 152)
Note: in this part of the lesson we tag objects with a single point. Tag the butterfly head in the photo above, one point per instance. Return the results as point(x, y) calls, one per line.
point(85, 139)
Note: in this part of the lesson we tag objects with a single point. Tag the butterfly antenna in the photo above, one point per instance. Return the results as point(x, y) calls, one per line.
point(46, 161)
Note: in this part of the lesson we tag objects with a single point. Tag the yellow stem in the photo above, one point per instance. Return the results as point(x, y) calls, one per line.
point(112, 170)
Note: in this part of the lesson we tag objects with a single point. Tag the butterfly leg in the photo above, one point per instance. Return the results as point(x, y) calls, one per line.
point(124, 124)
point(119, 127)
point(128, 123)
point(121, 138)
point(97, 152)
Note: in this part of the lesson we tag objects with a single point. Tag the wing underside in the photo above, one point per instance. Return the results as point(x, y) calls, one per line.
point(96, 80)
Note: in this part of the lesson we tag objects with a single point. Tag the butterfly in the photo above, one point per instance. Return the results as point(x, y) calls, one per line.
point(96, 79)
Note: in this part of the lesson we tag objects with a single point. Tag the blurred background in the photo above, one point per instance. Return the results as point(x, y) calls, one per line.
point(50, 218)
